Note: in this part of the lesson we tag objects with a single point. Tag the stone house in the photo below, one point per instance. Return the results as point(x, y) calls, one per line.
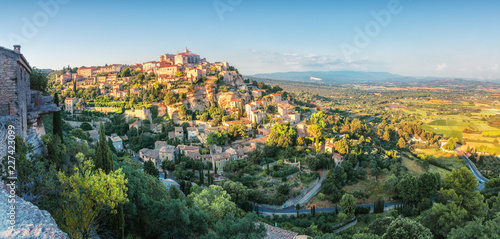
point(87, 71)
point(160, 144)
point(117, 143)
point(70, 104)
point(338, 158)
point(192, 132)
point(19, 105)
point(294, 118)
point(285, 109)
point(168, 153)
point(276, 98)
point(150, 155)
point(179, 132)
point(94, 135)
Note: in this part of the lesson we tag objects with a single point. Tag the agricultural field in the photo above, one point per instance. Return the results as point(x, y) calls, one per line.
point(454, 126)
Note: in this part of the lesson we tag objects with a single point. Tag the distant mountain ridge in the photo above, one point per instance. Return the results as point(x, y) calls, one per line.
point(334, 77)
point(356, 77)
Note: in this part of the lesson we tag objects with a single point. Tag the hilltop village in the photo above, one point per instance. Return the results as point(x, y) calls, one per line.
point(198, 96)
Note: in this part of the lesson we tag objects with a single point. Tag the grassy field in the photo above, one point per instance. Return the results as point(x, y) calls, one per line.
point(449, 159)
point(371, 186)
point(417, 170)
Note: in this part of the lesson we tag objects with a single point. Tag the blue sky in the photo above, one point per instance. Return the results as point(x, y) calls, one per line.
point(421, 38)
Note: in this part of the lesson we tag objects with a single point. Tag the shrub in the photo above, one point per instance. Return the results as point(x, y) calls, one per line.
point(362, 210)
point(321, 196)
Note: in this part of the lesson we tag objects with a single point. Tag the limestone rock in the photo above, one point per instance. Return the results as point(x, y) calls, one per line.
point(31, 222)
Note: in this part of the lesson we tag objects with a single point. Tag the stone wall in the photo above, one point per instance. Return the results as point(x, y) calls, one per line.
point(19, 105)
point(15, 95)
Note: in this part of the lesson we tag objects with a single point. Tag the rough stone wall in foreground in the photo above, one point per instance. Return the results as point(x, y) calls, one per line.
point(31, 222)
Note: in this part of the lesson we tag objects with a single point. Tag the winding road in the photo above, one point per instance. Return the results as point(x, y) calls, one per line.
point(291, 210)
point(480, 178)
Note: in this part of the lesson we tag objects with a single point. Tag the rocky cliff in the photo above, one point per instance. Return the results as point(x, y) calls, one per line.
point(30, 221)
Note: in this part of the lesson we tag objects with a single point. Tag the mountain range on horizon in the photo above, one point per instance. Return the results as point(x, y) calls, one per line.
point(343, 77)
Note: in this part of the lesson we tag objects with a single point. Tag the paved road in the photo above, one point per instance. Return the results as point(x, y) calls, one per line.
point(314, 190)
point(481, 180)
point(291, 210)
point(372, 118)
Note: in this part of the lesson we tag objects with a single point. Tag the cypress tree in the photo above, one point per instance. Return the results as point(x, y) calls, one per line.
point(103, 155)
point(201, 174)
point(267, 166)
point(57, 121)
point(74, 86)
point(104, 160)
point(209, 179)
point(117, 223)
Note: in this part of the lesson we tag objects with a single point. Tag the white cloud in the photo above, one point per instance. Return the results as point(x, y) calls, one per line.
point(441, 67)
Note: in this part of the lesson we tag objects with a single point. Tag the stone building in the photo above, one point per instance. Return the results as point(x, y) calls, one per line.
point(187, 57)
point(19, 105)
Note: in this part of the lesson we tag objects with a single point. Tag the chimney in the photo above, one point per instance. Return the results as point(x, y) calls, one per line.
point(17, 49)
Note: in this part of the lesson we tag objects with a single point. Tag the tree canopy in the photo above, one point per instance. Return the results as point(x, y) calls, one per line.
point(215, 202)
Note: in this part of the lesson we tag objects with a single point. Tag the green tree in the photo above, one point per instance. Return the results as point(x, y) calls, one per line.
point(461, 180)
point(386, 136)
point(463, 203)
point(167, 165)
point(150, 168)
point(452, 143)
point(57, 121)
point(218, 138)
point(341, 146)
point(56, 150)
point(86, 126)
point(87, 193)
point(478, 229)
point(404, 228)
point(202, 177)
point(169, 98)
point(460, 188)
point(297, 208)
point(103, 155)
point(442, 218)
point(247, 227)
point(215, 202)
point(182, 111)
point(348, 205)
point(428, 184)
point(401, 143)
point(390, 184)
point(38, 80)
point(237, 191)
point(408, 189)
point(315, 130)
point(238, 130)
point(146, 214)
point(379, 226)
point(282, 135)
point(176, 220)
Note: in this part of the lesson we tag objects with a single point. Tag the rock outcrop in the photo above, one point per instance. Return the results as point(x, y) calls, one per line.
point(30, 221)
